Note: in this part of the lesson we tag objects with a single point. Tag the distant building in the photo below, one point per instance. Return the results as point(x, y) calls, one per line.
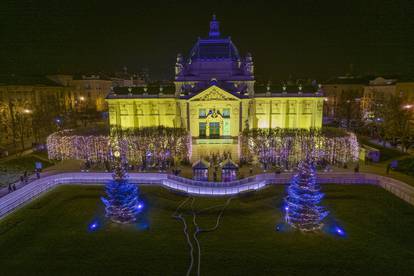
point(28, 106)
point(340, 90)
point(31, 107)
point(126, 79)
point(87, 91)
point(375, 94)
point(405, 89)
point(364, 95)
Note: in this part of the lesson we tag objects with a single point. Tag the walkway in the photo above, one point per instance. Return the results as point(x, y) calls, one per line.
point(16, 199)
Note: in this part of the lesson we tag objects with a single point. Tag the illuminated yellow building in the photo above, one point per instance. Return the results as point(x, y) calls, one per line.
point(215, 97)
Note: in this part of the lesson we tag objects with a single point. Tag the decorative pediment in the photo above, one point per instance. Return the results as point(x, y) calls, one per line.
point(214, 93)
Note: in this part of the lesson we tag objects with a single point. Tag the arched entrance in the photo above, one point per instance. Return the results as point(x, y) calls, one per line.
point(214, 124)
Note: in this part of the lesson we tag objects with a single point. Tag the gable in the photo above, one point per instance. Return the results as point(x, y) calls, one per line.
point(214, 93)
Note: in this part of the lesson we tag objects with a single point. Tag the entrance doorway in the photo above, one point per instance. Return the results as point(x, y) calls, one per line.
point(214, 130)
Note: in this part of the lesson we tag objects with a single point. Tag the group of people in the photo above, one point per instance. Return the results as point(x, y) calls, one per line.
point(217, 158)
point(24, 179)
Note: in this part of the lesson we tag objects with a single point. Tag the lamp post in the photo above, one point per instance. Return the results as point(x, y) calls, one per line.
point(408, 106)
point(80, 108)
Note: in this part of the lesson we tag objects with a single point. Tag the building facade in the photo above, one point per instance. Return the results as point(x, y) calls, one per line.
point(28, 109)
point(87, 92)
point(32, 107)
point(215, 96)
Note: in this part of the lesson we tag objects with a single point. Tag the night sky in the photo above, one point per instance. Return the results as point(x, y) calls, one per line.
point(304, 39)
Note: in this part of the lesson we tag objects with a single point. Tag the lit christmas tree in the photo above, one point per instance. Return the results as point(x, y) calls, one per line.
point(122, 204)
point(304, 196)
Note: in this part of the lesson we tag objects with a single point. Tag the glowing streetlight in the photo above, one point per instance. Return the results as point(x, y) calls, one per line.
point(27, 111)
point(408, 106)
point(82, 98)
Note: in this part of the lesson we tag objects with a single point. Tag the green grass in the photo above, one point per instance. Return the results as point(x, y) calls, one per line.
point(49, 237)
point(26, 162)
point(385, 153)
point(406, 166)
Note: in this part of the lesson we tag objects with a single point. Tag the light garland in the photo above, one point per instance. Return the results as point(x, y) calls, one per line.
point(163, 144)
point(122, 204)
point(302, 209)
point(287, 147)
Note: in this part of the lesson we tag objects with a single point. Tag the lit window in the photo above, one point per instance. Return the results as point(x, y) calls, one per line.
point(202, 113)
point(226, 112)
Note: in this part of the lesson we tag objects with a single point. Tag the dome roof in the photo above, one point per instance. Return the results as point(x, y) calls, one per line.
point(214, 48)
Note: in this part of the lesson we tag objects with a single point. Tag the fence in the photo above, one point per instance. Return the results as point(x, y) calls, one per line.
point(16, 199)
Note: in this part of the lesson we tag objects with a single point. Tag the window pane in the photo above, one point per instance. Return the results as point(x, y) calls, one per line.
point(226, 112)
point(202, 113)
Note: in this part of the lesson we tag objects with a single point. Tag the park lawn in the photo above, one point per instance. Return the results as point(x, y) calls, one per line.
point(26, 162)
point(381, 169)
point(385, 153)
point(50, 236)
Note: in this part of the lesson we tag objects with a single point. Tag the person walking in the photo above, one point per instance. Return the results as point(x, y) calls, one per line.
point(26, 177)
point(356, 169)
point(14, 187)
point(388, 168)
point(10, 188)
point(37, 174)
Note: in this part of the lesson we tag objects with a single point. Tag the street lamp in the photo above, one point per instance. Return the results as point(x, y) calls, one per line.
point(27, 111)
point(408, 106)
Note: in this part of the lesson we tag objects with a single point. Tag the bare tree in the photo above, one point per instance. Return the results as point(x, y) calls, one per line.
point(397, 126)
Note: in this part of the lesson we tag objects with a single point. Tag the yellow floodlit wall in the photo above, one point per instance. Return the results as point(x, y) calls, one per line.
point(287, 112)
point(215, 111)
point(135, 113)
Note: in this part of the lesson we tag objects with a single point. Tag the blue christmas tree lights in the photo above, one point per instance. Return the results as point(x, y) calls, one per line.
point(302, 204)
point(122, 204)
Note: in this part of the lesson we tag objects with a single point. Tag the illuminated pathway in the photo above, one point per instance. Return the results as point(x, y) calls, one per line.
point(14, 200)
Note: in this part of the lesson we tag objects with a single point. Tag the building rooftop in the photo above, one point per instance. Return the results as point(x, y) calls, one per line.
point(214, 57)
point(147, 91)
point(201, 165)
point(212, 49)
point(287, 90)
point(34, 80)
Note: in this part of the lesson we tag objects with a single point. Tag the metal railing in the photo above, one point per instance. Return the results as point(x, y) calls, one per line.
point(16, 199)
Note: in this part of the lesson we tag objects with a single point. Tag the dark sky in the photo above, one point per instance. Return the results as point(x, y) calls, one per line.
point(315, 39)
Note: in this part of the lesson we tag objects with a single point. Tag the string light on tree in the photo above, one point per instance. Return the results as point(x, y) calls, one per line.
point(302, 209)
point(122, 204)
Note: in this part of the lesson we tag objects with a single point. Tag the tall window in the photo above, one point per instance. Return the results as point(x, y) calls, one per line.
point(202, 130)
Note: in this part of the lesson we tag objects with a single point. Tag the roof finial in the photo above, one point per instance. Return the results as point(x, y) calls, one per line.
point(214, 27)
